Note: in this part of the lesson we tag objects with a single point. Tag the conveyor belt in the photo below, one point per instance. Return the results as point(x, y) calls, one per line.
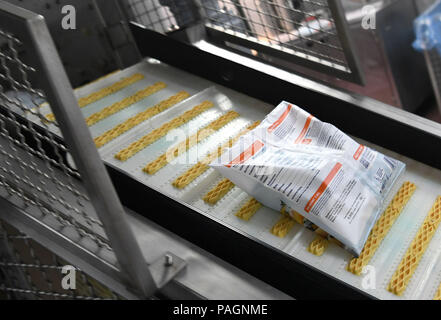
point(227, 202)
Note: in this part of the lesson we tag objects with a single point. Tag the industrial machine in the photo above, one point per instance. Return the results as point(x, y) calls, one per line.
point(112, 178)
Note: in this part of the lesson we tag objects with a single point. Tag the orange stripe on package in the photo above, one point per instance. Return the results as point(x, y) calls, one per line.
point(295, 160)
point(248, 153)
point(322, 187)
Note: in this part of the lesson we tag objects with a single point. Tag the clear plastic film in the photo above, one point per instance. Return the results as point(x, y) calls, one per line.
point(296, 161)
point(428, 29)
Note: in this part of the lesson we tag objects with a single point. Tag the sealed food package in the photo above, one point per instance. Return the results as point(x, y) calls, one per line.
point(314, 171)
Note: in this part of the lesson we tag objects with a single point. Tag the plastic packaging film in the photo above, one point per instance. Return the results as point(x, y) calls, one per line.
point(315, 169)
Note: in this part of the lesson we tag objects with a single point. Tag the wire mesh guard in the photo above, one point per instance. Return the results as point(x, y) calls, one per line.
point(304, 29)
point(158, 14)
point(300, 27)
point(30, 271)
point(36, 172)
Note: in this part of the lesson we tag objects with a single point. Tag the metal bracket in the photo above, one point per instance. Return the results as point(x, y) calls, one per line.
point(166, 268)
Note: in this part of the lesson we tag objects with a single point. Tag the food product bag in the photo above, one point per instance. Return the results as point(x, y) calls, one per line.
point(294, 160)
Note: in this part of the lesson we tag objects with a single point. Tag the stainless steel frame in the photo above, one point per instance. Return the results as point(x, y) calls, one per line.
point(32, 31)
